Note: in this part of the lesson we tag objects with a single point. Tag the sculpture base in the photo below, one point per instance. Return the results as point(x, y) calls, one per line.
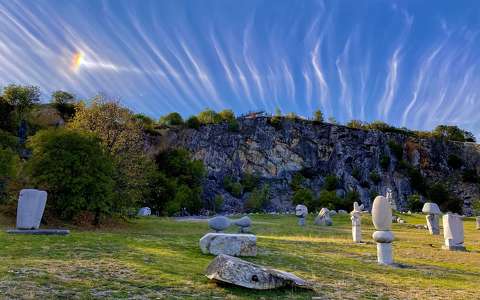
point(384, 253)
point(40, 231)
point(454, 248)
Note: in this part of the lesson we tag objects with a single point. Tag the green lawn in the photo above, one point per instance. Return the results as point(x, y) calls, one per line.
point(160, 258)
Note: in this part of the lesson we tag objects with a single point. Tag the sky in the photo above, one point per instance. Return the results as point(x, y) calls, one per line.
point(409, 63)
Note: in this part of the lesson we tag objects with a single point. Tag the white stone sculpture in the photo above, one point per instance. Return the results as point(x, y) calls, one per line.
point(144, 211)
point(389, 196)
point(324, 218)
point(453, 232)
point(356, 222)
point(31, 204)
point(301, 211)
point(382, 220)
point(433, 212)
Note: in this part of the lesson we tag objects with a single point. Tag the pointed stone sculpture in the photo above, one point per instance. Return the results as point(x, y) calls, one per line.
point(323, 218)
point(390, 199)
point(382, 220)
point(356, 222)
point(433, 212)
point(301, 211)
point(453, 232)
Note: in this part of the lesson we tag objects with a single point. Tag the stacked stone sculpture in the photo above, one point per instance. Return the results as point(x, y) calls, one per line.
point(301, 211)
point(236, 271)
point(453, 232)
point(433, 212)
point(238, 244)
point(323, 218)
point(382, 220)
point(31, 205)
point(356, 217)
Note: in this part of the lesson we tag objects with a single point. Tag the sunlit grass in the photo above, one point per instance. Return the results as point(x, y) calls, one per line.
point(160, 258)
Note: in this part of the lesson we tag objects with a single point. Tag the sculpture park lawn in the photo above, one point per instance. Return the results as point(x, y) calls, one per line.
point(160, 258)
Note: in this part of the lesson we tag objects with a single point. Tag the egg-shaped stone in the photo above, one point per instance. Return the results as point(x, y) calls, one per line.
point(382, 213)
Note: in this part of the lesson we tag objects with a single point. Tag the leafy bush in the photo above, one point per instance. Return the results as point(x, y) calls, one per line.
point(384, 161)
point(171, 119)
point(414, 203)
point(374, 177)
point(303, 196)
point(249, 182)
point(396, 149)
point(318, 116)
point(357, 174)
point(453, 133)
point(8, 164)
point(233, 125)
point(297, 181)
point(159, 193)
point(209, 116)
point(355, 124)
point(227, 115)
point(233, 187)
point(331, 183)
point(193, 122)
point(276, 122)
point(454, 161)
point(188, 198)
point(258, 199)
point(75, 170)
point(328, 199)
point(8, 140)
point(218, 203)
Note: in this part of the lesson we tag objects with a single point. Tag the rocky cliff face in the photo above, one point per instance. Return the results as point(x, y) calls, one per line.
point(277, 153)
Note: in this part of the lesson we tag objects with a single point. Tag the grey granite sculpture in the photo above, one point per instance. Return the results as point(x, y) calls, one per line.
point(323, 218)
point(453, 232)
point(301, 211)
point(433, 212)
point(219, 223)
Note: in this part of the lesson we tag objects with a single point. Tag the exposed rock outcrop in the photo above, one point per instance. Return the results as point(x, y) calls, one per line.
point(277, 153)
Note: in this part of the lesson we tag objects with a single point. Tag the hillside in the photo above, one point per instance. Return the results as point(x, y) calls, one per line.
point(368, 161)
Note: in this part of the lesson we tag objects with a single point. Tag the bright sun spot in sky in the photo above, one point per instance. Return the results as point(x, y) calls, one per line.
point(77, 60)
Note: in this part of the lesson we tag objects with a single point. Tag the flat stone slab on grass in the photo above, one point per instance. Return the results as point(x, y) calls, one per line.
point(230, 244)
point(236, 271)
point(40, 231)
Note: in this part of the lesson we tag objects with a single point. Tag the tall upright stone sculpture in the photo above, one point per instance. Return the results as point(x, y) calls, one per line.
point(382, 220)
point(301, 211)
point(356, 222)
point(433, 212)
point(31, 204)
point(389, 196)
point(453, 232)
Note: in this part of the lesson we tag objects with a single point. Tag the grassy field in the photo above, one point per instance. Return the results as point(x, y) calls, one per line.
point(159, 258)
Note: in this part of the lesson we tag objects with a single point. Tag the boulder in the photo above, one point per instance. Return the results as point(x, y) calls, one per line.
point(342, 212)
point(244, 224)
point(219, 223)
point(230, 244)
point(144, 211)
point(236, 271)
point(31, 204)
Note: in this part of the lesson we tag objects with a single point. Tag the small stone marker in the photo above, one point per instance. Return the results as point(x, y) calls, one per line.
point(244, 223)
point(433, 211)
point(144, 211)
point(356, 222)
point(323, 218)
point(382, 220)
point(301, 211)
point(31, 204)
point(453, 232)
point(236, 271)
point(230, 244)
point(219, 223)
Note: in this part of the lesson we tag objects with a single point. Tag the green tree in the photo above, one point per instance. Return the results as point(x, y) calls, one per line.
point(258, 199)
point(188, 198)
point(209, 116)
point(453, 133)
point(64, 102)
point(75, 170)
point(318, 116)
point(8, 164)
point(193, 122)
point(171, 119)
point(414, 203)
point(227, 115)
point(303, 196)
point(22, 98)
point(160, 190)
point(6, 110)
point(328, 199)
point(355, 124)
point(331, 183)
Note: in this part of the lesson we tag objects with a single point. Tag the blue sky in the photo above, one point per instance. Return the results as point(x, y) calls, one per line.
point(409, 63)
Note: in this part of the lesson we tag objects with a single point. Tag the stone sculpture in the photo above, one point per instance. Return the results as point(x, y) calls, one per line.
point(382, 220)
point(236, 271)
point(477, 219)
point(389, 196)
point(31, 204)
point(244, 224)
point(219, 223)
point(323, 218)
point(433, 212)
point(144, 211)
point(356, 217)
point(453, 232)
point(301, 211)
point(230, 244)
